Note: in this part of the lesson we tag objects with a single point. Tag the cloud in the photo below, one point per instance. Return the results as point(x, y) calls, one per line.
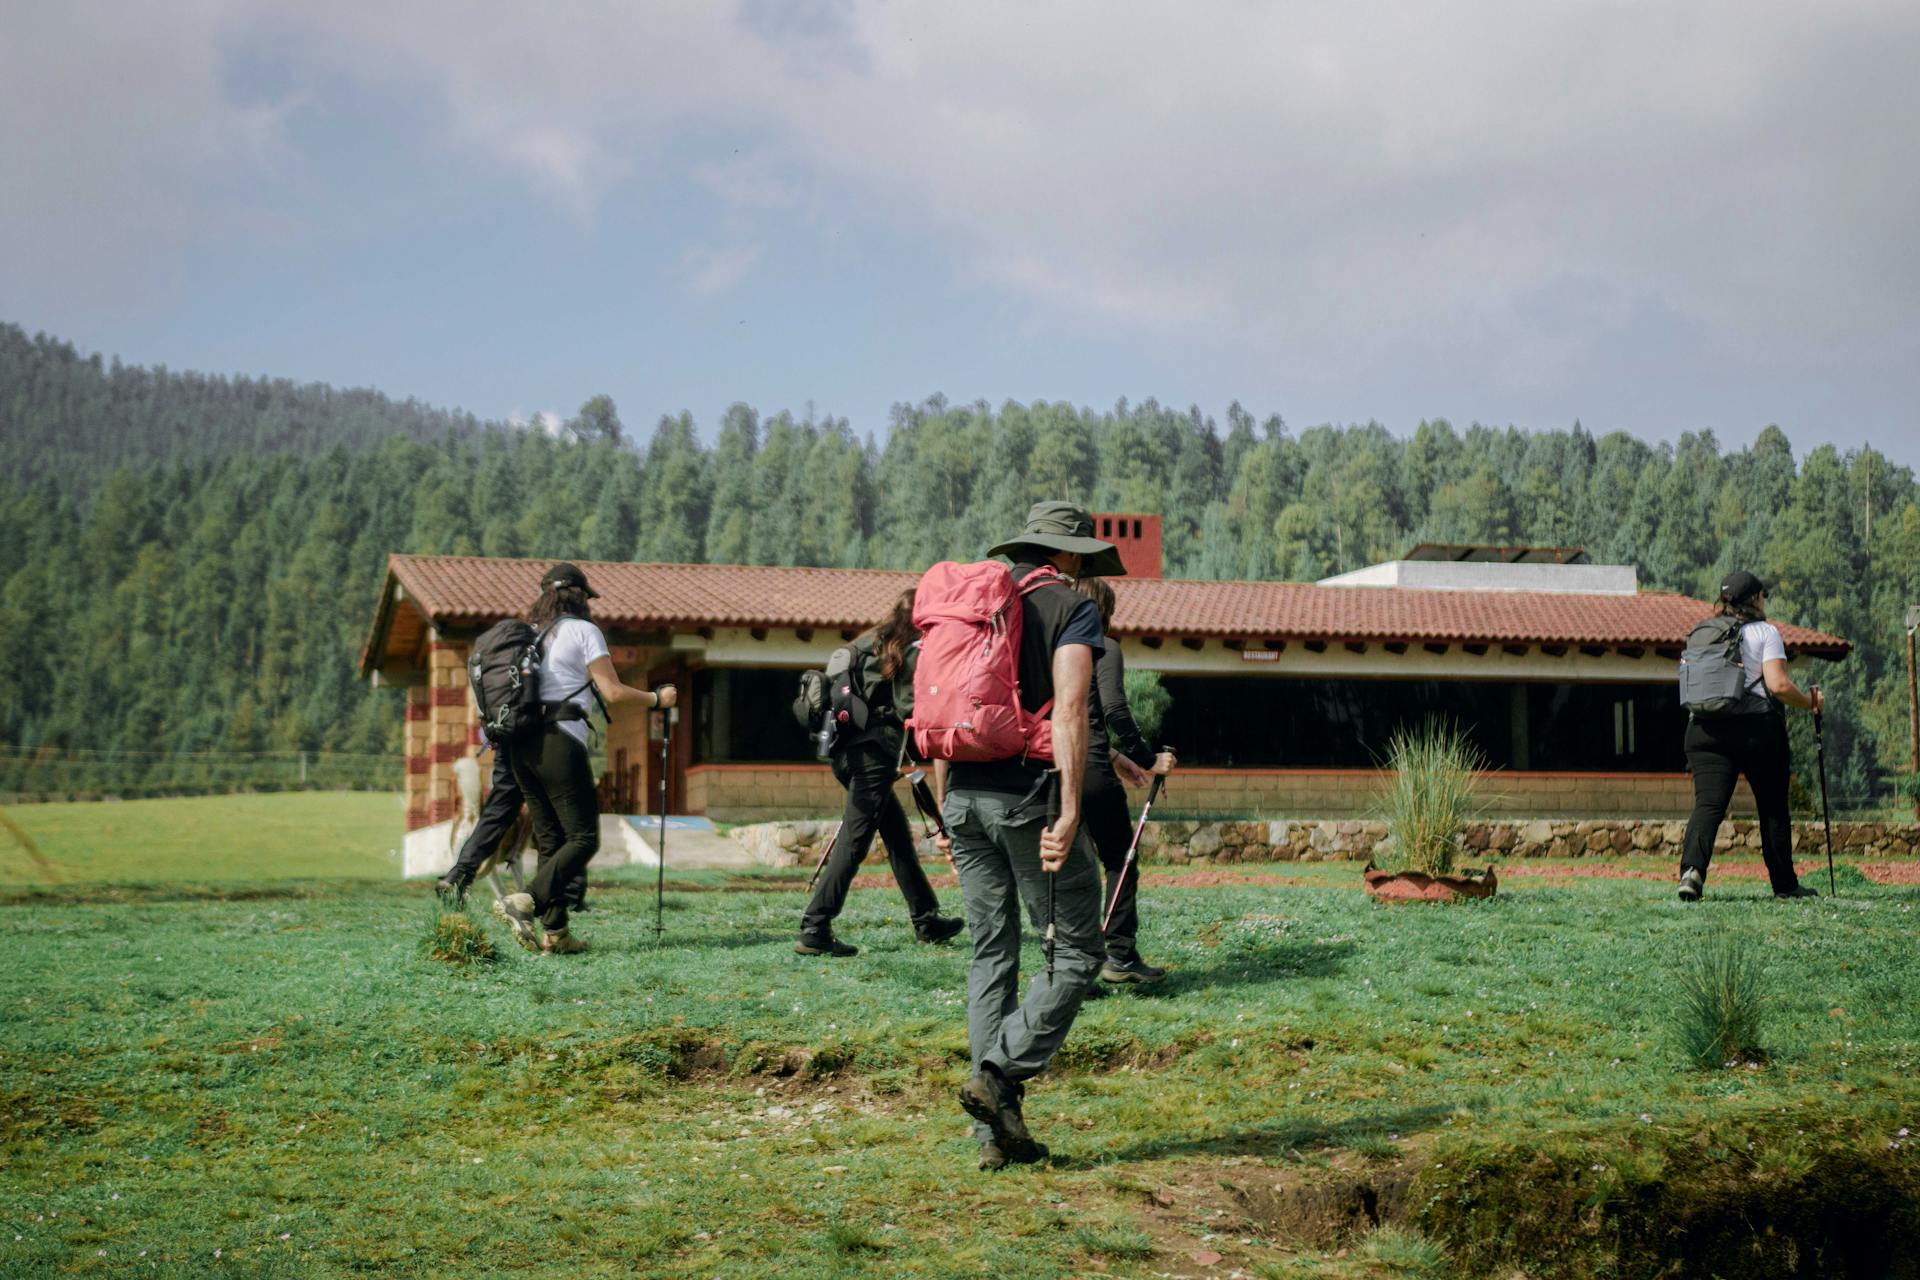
point(548, 420)
point(710, 272)
point(122, 143)
point(1491, 191)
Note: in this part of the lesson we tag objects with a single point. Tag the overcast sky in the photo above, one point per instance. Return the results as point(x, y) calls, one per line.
point(1649, 217)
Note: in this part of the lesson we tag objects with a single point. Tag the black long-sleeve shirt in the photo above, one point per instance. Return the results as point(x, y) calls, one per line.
point(1107, 710)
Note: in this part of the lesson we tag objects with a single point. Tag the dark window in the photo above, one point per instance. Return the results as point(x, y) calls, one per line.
point(1226, 721)
point(745, 716)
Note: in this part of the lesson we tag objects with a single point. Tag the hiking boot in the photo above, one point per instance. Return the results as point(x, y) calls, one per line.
point(990, 1099)
point(827, 946)
point(1799, 891)
point(451, 892)
point(561, 942)
point(517, 910)
point(1134, 970)
point(992, 1156)
point(937, 928)
point(1691, 883)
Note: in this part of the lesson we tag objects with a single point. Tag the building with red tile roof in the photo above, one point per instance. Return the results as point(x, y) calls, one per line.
point(1283, 693)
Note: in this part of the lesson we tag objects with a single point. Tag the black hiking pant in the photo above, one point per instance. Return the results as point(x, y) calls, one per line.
point(1719, 751)
point(868, 771)
point(556, 776)
point(495, 821)
point(1108, 824)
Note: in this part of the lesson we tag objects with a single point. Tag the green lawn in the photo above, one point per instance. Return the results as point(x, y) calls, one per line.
point(284, 836)
point(280, 1075)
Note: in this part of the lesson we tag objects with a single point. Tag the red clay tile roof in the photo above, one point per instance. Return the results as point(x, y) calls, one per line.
point(462, 591)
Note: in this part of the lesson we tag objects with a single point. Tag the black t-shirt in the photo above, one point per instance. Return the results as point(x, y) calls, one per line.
point(1050, 616)
point(1108, 713)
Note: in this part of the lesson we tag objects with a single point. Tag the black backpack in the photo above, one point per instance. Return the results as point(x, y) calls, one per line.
point(1713, 680)
point(830, 701)
point(504, 670)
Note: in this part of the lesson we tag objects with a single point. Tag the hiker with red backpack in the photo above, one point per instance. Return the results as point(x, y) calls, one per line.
point(1000, 706)
point(874, 694)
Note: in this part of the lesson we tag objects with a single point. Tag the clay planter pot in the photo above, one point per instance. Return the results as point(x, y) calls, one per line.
point(1416, 886)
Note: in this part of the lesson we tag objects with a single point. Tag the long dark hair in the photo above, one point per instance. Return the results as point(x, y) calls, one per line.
point(1097, 590)
point(556, 602)
point(1747, 610)
point(893, 637)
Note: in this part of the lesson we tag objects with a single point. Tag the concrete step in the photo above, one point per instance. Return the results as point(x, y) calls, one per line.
point(692, 844)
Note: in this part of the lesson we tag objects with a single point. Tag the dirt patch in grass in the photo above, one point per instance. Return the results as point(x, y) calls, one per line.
point(126, 894)
point(1241, 1216)
point(1891, 872)
point(1777, 1196)
point(1721, 870)
point(45, 1113)
point(1206, 879)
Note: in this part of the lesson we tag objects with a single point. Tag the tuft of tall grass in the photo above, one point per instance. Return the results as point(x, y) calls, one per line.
point(1404, 1252)
point(456, 938)
point(1719, 1002)
point(1433, 773)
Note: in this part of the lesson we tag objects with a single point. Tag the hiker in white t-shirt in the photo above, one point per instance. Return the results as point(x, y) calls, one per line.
point(553, 768)
point(1750, 740)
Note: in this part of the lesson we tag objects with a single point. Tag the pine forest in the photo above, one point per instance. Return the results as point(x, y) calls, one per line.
point(192, 561)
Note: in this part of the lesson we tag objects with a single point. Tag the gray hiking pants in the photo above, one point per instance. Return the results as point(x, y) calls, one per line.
point(998, 857)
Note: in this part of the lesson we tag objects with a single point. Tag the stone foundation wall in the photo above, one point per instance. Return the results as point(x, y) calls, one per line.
point(1217, 842)
point(769, 792)
point(1206, 843)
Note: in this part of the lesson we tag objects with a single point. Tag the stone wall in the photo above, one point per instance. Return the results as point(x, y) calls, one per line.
point(767, 792)
point(1218, 842)
point(1353, 793)
point(1206, 843)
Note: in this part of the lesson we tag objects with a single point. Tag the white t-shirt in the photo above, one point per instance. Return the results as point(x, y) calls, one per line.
point(564, 655)
point(1759, 642)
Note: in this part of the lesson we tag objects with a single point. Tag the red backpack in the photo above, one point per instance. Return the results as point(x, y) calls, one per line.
point(966, 687)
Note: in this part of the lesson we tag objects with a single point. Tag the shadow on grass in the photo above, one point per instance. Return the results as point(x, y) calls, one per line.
point(1277, 1139)
point(731, 939)
point(1250, 967)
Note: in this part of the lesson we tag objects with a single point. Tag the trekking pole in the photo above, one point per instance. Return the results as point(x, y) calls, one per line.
point(1826, 814)
point(1053, 817)
point(923, 800)
point(660, 876)
point(1133, 846)
point(824, 855)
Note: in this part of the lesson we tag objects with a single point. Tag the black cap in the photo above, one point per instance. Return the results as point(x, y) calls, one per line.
point(1740, 585)
point(567, 574)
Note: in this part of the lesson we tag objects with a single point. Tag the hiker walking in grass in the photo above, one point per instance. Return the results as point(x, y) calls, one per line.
point(1103, 802)
point(1001, 715)
point(550, 761)
point(866, 759)
point(495, 821)
point(1746, 738)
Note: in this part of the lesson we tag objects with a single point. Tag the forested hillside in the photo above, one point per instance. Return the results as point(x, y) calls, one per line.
point(73, 419)
point(217, 605)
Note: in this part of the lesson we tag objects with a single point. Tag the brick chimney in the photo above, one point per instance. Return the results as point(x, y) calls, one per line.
point(1137, 537)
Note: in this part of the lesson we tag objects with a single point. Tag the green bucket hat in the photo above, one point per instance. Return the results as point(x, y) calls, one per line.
point(1061, 526)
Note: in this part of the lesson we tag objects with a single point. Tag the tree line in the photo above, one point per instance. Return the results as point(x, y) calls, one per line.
point(217, 601)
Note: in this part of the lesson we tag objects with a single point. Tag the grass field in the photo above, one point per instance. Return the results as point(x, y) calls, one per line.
point(285, 836)
point(274, 1080)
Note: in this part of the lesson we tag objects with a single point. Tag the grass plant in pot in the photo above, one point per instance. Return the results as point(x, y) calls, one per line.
point(1430, 796)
